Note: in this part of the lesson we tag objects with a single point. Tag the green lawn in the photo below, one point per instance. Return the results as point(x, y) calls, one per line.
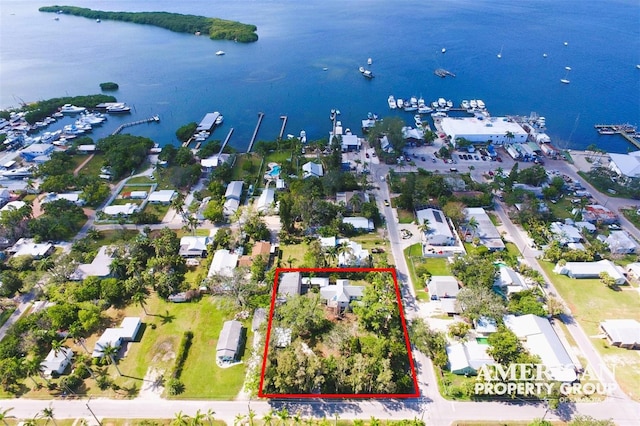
point(633, 217)
point(159, 210)
point(247, 168)
point(591, 302)
point(292, 255)
point(405, 216)
point(201, 376)
point(141, 180)
point(562, 208)
point(92, 168)
point(414, 260)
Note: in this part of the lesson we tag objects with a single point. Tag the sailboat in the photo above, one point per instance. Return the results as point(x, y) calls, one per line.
point(500, 54)
point(565, 80)
point(444, 50)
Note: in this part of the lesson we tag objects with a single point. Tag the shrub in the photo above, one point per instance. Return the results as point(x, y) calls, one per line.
point(183, 351)
point(175, 387)
point(71, 382)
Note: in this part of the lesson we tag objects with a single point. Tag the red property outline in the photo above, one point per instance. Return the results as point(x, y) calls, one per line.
point(392, 271)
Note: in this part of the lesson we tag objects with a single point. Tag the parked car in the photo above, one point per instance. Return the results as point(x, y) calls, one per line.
point(386, 203)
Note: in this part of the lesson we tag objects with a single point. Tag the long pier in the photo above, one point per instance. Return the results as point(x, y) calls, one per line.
point(226, 140)
point(284, 124)
point(155, 118)
point(255, 132)
point(625, 130)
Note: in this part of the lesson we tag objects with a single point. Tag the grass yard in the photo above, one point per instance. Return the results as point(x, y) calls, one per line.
point(405, 216)
point(591, 302)
point(412, 261)
point(247, 168)
point(144, 180)
point(92, 168)
point(632, 216)
point(159, 210)
point(562, 208)
point(374, 240)
point(292, 255)
point(201, 376)
point(155, 422)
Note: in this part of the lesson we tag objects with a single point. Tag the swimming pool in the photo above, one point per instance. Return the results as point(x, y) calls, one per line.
point(275, 171)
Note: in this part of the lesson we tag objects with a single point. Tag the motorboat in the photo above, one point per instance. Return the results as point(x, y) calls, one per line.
point(367, 74)
point(434, 104)
point(369, 61)
point(303, 136)
point(449, 104)
point(418, 120)
point(95, 118)
point(98, 20)
point(424, 109)
point(444, 50)
point(544, 55)
point(71, 109)
point(219, 120)
point(638, 66)
point(361, 69)
point(421, 102)
point(480, 104)
point(414, 101)
point(499, 55)
point(118, 108)
point(465, 104)
point(399, 103)
point(565, 80)
point(442, 102)
point(392, 102)
point(473, 103)
point(438, 114)
point(220, 53)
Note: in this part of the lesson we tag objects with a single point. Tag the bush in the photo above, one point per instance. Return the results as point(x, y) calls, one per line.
point(175, 387)
point(71, 382)
point(104, 382)
point(183, 351)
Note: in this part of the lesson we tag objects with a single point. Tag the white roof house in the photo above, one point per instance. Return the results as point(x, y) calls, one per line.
point(27, 247)
point(234, 190)
point(229, 341)
point(13, 205)
point(230, 207)
point(588, 226)
point(328, 242)
point(633, 270)
point(467, 357)
point(312, 169)
point(620, 242)
point(194, 246)
point(485, 326)
point(355, 255)
point(72, 197)
point(486, 231)
point(120, 209)
point(315, 281)
point(539, 338)
point(350, 143)
point(115, 336)
point(442, 286)
point(223, 263)
point(265, 201)
point(624, 333)
point(359, 222)
point(56, 362)
point(214, 161)
point(164, 196)
point(341, 294)
point(565, 234)
point(580, 270)
point(439, 233)
point(509, 280)
point(475, 129)
point(99, 266)
point(136, 195)
point(627, 165)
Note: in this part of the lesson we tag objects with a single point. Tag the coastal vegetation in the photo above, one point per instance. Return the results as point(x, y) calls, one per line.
point(218, 29)
point(124, 153)
point(37, 111)
point(109, 86)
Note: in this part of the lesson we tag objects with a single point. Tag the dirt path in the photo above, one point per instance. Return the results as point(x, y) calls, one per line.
point(77, 170)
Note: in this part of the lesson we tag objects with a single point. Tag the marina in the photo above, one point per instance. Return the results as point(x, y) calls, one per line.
point(627, 131)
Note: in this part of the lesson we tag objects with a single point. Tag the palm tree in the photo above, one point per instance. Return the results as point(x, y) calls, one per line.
point(238, 419)
point(209, 416)
point(251, 415)
point(57, 346)
point(180, 419)
point(425, 227)
point(48, 414)
point(4, 415)
point(345, 250)
point(509, 135)
point(110, 351)
point(140, 297)
point(198, 419)
point(268, 417)
point(331, 255)
point(291, 260)
point(76, 334)
point(283, 415)
point(473, 224)
point(32, 367)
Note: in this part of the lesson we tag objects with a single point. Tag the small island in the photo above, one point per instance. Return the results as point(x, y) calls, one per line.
point(109, 86)
point(218, 29)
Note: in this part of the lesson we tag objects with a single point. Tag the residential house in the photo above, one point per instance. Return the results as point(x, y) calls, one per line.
point(540, 339)
point(360, 223)
point(163, 196)
point(350, 142)
point(224, 262)
point(581, 270)
point(120, 210)
point(442, 287)
point(211, 163)
point(260, 248)
point(509, 281)
point(194, 246)
point(597, 213)
point(352, 200)
point(56, 362)
point(450, 306)
point(565, 234)
point(624, 333)
point(466, 358)
point(72, 197)
point(341, 294)
point(134, 195)
point(5, 196)
point(12, 205)
point(290, 285)
point(99, 267)
point(229, 342)
point(439, 233)
point(319, 282)
point(620, 242)
point(633, 270)
point(27, 247)
point(116, 336)
point(265, 201)
point(586, 226)
point(485, 326)
point(232, 196)
point(312, 169)
point(352, 254)
point(484, 230)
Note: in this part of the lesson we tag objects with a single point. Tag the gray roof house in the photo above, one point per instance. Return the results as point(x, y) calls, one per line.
point(486, 231)
point(581, 270)
point(624, 333)
point(467, 357)
point(341, 294)
point(290, 284)
point(194, 246)
point(442, 286)
point(56, 362)
point(229, 342)
point(232, 196)
point(312, 169)
point(99, 266)
point(620, 242)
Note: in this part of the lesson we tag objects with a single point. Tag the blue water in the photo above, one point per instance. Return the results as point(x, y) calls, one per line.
point(275, 171)
point(179, 77)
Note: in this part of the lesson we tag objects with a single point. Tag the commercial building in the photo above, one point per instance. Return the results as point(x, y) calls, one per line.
point(483, 130)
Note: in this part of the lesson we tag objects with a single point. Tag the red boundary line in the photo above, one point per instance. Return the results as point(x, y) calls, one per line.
point(392, 271)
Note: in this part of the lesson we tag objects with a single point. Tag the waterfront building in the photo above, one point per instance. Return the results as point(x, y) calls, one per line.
point(482, 130)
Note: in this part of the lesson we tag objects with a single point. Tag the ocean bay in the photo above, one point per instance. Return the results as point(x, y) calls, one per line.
point(178, 76)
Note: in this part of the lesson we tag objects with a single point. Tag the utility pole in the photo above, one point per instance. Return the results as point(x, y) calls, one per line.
point(92, 413)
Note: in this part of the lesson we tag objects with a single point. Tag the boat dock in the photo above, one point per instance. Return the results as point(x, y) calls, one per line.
point(226, 140)
point(627, 131)
point(255, 132)
point(155, 118)
point(208, 121)
point(284, 124)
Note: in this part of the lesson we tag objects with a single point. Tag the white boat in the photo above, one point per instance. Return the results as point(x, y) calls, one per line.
point(434, 104)
point(98, 20)
point(94, 118)
point(544, 55)
point(421, 102)
point(303, 136)
point(367, 74)
point(71, 109)
point(220, 53)
point(439, 114)
point(442, 102)
point(638, 66)
point(499, 55)
point(361, 69)
point(424, 109)
point(418, 120)
point(473, 103)
point(118, 108)
point(565, 80)
point(566, 43)
point(369, 61)
point(480, 104)
point(399, 103)
point(449, 104)
point(465, 104)
point(219, 120)
point(392, 102)
point(444, 50)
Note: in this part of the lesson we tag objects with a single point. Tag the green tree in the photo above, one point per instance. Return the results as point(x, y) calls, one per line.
point(4, 415)
point(110, 352)
point(47, 413)
point(505, 347)
point(607, 279)
point(480, 301)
